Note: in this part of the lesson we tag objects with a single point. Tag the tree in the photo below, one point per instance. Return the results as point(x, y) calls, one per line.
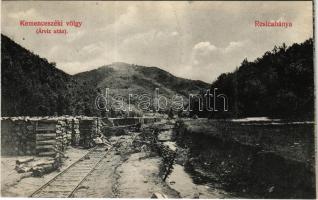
point(278, 84)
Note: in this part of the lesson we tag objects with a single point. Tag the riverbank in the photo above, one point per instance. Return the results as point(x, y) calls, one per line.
point(261, 160)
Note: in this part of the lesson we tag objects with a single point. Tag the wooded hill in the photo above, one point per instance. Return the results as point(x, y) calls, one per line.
point(280, 84)
point(33, 86)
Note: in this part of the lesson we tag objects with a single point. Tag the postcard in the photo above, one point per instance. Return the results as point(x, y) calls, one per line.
point(158, 99)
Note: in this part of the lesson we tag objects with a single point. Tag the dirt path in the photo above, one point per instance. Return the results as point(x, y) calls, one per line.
point(12, 185)
point(139, 178)
point(125, 173)
point(100, 182)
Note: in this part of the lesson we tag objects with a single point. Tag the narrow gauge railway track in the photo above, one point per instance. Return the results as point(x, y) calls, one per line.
point(65, 183)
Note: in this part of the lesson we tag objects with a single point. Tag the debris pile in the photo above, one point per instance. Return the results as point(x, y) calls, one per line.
point(168, 160)
point(114, 131)
point(37, 168)
point(167, 150)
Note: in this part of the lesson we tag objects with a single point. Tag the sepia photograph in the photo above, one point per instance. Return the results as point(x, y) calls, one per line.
point(158, 99)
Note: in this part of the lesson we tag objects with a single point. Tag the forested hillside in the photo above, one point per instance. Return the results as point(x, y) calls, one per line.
point(30, 85)
point(33, 86)
point(123, 79)
point(280, 84)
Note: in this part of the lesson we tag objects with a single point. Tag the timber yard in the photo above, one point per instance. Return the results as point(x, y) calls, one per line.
point(156, 157)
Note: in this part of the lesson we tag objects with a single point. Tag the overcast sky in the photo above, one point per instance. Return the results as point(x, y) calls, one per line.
point(196, 40)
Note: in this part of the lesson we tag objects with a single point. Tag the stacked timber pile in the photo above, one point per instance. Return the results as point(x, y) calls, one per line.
point(76, 133)
point(6, 137)
point(61, 135)
point(53, 136)
point(48, 137)
point(89, 130)
point(69, 131)
point(17, 136)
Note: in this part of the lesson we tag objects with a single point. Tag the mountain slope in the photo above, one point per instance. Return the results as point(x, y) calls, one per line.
point(30, 85)
point(33, 86)
point(123, 78)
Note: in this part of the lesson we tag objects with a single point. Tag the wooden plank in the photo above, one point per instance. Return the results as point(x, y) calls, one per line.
point(45, 147)
point(52, 142)
point(46, 125)
point(44, 131)
point(45, 136)
point(49, 154)
point(43, 162)
point(24, 160)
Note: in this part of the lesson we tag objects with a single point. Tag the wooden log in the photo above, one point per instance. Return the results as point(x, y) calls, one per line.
point(45, 136)
point(42, 162)
point(22, 168)
point(45, 131)
point(48, 154)
point(45, 125)
point(44, 142)
point(44, 169)
point(24, 160)
point(45, 147)
point(158, 195)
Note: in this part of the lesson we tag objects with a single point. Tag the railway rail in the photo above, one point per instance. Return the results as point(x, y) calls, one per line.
point(65, 183)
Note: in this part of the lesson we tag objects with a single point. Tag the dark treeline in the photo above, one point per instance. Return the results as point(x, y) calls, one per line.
point(280, 84)
point(32, 86)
